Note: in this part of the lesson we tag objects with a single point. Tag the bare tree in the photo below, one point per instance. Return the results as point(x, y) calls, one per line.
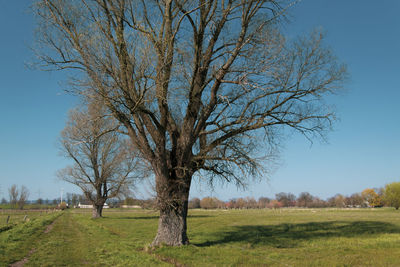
point(287, 199)
point(304, 199)
point(23, 196)
point(201, 87)
point(13, 194)
point(263, 202)
point(355, 200)
point(103, 161)
point(18, 197)
point(39, 201)
point(194, 203)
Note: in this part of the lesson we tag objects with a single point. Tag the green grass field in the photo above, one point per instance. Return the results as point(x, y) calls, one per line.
point(17, 216)
point(286, 237)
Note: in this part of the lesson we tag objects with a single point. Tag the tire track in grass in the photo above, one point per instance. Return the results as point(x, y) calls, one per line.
point(49, 227)
point(65, 245)
point(22, 262)
point(77, 240)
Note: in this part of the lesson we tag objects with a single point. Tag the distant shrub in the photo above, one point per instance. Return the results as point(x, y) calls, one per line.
point(274, 204)
point(132, 201)
point(63, 206)
point(194, 203)
point(211, 203)
point(150, 203)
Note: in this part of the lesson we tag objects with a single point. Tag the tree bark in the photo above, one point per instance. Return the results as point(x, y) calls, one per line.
point(97, 211)
point(172, 223)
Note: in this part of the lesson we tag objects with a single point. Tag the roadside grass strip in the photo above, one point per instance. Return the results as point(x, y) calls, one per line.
point(16, 242)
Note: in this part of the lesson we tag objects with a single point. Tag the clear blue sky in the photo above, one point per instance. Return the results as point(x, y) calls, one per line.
point(363, 150)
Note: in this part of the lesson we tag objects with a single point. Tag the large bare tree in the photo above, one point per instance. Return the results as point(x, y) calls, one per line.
point(203, 87)
point(104, 164)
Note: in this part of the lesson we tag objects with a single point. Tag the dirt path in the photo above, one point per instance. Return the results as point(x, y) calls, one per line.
point(76, 240)
point(49, 227)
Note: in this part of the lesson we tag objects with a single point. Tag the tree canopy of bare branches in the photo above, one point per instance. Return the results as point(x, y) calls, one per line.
point(18, 197)
point(200, 86)
point(104, 165)
point(13, 195)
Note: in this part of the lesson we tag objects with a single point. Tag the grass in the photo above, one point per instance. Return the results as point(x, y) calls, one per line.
point(33, 206)
point(18, 216)
point(16, 241)
point(288, 237)
point(293, 238)
point(77, 240)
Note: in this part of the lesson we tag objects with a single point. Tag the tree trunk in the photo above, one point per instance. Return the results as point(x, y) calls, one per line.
point(97, 211)
point(173, 196)
point(172, 227)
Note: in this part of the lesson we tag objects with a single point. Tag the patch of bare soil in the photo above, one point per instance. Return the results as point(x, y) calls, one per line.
point(170, 261)
point(163, 258)
point(24, 260)
point(49, 228)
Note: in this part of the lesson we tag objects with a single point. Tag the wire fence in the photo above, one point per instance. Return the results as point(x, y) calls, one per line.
point(13, 217)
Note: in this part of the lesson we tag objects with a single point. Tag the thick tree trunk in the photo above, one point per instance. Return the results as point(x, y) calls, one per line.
point(97, 211)
point(172, 227)
point(173, 196)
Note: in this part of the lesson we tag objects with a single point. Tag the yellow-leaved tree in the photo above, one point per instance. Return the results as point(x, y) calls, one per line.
point(373, 199)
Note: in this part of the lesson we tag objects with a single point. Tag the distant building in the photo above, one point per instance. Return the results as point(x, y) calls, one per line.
point(131, 207)
point(90, 206)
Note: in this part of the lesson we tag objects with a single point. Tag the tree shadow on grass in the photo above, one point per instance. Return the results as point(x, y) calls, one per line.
point(200, 216)
point(289, 235)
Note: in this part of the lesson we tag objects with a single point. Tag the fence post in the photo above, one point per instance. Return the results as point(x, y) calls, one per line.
point(8, 218)
point(25, 218)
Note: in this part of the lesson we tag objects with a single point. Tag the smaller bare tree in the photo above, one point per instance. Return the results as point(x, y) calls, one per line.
point(304, 199)
point(23, 196)
point(18, 197)
point(13, 194)
point(103, 161)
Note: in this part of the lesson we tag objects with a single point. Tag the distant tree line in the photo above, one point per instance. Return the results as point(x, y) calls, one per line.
point(388, 196)
point(373, 198)
point(18, 199)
